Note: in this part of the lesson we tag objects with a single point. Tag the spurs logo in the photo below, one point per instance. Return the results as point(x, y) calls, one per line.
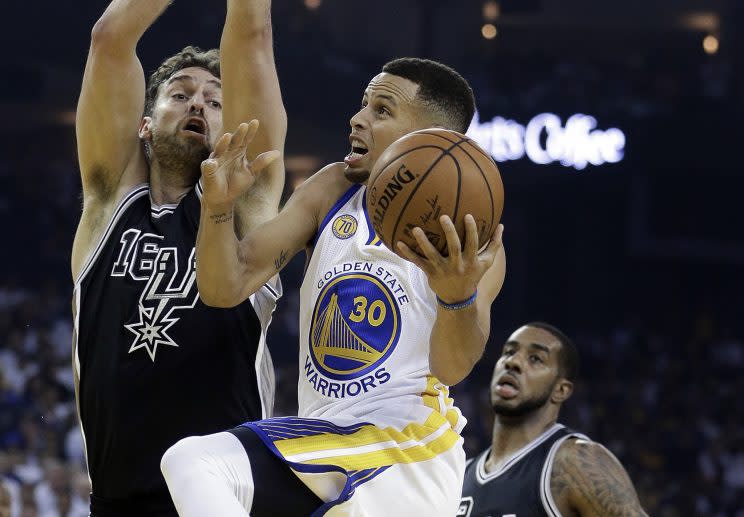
point(166, 292)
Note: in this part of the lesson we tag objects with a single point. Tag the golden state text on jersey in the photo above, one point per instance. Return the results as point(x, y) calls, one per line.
point(355, 326)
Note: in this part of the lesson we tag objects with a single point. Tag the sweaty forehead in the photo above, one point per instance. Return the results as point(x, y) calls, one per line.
point(399, 88)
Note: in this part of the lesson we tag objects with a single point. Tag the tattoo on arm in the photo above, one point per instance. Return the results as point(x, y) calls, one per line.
point(281, 259)
point(593, 482)
point(224, 217)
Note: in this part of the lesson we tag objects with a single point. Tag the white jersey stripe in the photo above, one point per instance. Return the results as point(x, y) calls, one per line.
point(127, 200)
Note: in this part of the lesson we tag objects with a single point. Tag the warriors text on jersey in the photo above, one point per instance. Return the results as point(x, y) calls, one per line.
point(369, 407)
point(520, 487)
point(154, 363)
point(366, 316)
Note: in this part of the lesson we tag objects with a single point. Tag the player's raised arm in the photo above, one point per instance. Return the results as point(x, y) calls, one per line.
point(250, 90)
point(229, 270)
point(466, 284)
point(112, 101)
point(593, 482)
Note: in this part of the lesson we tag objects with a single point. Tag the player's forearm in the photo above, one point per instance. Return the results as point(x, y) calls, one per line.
point(252, 17)
point(218, 266)
point(125, 21)
point(456, 344)
point(250, 85)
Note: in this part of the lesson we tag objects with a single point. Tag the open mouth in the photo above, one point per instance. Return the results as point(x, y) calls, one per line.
point(507, 387)
point(196, 125)
point(358, 151)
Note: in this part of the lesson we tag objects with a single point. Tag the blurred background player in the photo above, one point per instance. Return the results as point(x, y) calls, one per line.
point(152, 363)
point(536, 466)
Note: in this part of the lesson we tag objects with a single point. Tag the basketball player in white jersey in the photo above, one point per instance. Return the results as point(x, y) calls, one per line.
point(535, 466)
point(382, 337)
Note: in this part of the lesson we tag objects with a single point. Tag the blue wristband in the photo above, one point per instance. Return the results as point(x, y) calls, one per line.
point(457, 305)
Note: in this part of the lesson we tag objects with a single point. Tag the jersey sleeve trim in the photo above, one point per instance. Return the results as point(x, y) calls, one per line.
point(134, 194)
point(546, 495)
point(334, 209)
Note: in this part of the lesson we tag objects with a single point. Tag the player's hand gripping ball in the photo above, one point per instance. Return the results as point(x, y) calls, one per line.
point(430, 173)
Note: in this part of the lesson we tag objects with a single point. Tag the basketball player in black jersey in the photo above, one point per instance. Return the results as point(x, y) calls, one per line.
point(535, 466)
point(152, 363)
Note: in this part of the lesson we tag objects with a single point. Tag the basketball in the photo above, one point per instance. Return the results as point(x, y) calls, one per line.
point(430, 173)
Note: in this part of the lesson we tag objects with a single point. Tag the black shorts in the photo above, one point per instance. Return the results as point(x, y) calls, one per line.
point(278, 492)
point(154, 505)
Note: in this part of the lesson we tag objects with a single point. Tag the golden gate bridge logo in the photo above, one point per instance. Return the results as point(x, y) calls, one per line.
point(355, 326)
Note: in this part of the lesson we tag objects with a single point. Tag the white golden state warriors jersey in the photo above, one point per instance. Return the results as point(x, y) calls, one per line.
point(366, 319)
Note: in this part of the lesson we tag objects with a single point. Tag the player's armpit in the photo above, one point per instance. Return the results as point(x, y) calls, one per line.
point(587, 480)
point(112, 100)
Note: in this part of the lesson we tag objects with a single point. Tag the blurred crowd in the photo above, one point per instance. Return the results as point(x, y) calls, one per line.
point(666, 405)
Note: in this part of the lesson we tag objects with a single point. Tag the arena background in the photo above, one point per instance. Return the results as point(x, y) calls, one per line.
point(641, 261)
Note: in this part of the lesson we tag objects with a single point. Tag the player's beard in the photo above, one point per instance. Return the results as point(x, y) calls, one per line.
point(356, 175)
point(178, 158)
point(525, 407)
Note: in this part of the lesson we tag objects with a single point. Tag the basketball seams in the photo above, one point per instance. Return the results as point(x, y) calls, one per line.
point(409, 151)
point(445, 152)
point(488, 186)
point(467, 185)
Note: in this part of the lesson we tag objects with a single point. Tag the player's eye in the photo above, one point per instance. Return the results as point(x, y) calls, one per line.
point(179, 96)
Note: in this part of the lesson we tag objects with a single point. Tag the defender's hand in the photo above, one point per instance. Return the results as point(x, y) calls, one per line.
point(228, 172)
point(454, 278)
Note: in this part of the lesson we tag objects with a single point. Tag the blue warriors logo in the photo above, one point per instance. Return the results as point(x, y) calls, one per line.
point(344, 226)
point(355, 327)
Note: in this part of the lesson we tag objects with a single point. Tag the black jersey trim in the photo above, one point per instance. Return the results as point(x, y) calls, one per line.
point(126, 201)
point(546, 494)
point(482, 477)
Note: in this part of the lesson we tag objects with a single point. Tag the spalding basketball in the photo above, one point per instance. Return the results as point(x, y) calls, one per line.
point(427, 174)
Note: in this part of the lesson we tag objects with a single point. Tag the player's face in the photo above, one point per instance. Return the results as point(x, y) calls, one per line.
point(526, 373)
point(187, 112)
point(389, 110)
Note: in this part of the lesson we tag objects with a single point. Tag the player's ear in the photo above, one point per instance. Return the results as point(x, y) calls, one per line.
point(145, 129)
point(562, 391)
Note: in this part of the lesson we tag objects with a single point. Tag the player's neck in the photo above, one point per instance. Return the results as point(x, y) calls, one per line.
point(512, 433)
point(168, 188)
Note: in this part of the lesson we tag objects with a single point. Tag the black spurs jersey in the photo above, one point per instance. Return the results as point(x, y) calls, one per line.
point(154, 363)
point(521, 486)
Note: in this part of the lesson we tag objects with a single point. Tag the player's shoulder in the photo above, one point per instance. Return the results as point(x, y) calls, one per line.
point(580, 452)
point(330, 175)
point(325, 186)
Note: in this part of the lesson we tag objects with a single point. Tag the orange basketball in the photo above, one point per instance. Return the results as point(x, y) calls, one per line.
point(430, 173)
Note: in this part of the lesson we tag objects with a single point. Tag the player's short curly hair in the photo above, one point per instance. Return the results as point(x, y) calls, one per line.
point(188, 57)
point(442, 90)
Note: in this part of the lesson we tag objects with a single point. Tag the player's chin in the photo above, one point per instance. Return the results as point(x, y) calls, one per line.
point(356, 174)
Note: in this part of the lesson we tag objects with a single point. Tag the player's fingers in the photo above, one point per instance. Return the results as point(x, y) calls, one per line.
point(251, 130)
point(410, 255)
point(263, 160)
point(209, 168)
point(489, 254)
point(236, 142)
point(453, 240)
point(222, 144)
point(425, 245)
point(471, 238)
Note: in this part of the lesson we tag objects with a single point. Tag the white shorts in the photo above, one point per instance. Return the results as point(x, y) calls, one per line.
point(367, 470)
